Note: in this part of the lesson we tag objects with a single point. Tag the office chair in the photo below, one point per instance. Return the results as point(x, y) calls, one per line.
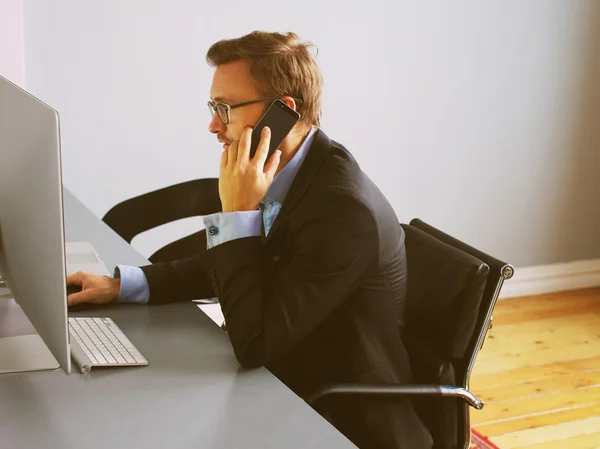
point(452, 291)
point(188, 199)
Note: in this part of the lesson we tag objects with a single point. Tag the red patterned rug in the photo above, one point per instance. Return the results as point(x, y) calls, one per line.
point(478, 441)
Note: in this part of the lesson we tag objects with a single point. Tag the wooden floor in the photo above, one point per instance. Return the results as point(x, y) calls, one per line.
point(539, 373)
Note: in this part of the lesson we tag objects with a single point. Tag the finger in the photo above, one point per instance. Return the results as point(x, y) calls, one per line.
point(232, 153)
point(244, 145)
point(263, 147)
point(75, 279)
point(76, 298)
point(271, 167)
point(86, 295)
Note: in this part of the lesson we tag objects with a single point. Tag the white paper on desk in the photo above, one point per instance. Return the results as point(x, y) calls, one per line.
point(214, 312)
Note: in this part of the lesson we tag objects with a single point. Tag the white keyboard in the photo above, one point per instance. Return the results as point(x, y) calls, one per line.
point(100, 342)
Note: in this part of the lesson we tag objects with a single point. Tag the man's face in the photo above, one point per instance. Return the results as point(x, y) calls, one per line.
point(233, 84)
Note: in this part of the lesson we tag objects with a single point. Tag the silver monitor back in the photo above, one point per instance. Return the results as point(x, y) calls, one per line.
point(32, 241)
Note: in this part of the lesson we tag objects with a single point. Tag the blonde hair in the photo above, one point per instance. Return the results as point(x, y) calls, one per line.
point(280, 64)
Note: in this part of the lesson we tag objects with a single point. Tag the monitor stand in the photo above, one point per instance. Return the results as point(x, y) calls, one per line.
point(25, 353)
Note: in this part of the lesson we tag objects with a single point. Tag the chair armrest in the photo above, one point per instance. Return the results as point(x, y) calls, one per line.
point(397, 390)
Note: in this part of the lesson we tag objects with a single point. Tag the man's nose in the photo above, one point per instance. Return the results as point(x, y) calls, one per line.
point(216, 125)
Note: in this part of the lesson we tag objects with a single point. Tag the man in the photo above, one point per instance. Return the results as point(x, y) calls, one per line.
point(307, 257)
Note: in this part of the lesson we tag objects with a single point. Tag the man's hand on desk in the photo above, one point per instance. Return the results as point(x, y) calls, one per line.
point(93, 288)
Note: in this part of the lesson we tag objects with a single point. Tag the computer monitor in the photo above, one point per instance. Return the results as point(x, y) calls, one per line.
point(32, 238)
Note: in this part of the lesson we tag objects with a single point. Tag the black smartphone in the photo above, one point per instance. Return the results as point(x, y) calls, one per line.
point(280, 119)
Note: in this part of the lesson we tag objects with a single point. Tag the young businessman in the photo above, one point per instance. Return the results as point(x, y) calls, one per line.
point(307, 257)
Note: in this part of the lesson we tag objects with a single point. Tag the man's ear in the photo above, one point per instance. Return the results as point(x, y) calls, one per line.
point(290, 102)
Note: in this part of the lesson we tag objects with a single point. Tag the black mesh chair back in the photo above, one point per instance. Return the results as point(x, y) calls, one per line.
point(471, 319)
point(142, 213)
point(445, 288)
point(451, 293)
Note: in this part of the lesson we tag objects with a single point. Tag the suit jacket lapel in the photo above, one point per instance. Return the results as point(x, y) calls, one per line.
point(310, 167)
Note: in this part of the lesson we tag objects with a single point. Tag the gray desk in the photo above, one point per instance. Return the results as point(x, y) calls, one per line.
point(193, 394)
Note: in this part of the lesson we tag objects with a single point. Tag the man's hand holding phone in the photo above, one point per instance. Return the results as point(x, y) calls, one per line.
point(244, 181)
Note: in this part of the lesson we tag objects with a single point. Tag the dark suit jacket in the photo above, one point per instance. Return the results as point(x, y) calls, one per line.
point(321, 299)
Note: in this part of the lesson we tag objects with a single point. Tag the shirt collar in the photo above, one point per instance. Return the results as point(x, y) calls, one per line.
point(283, 180)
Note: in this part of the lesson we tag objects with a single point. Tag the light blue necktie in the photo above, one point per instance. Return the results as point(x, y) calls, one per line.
point(270, 210)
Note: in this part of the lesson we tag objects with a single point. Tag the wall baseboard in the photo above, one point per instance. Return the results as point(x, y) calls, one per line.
point(529, 281)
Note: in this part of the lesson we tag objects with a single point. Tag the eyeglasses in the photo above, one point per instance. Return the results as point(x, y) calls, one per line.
point(223, 110)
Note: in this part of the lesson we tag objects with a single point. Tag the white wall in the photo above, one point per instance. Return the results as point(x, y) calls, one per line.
point(11, 41)
point(479, 117)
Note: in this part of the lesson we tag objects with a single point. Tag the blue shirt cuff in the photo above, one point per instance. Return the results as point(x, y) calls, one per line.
point(225, 226)
point(134, 285)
